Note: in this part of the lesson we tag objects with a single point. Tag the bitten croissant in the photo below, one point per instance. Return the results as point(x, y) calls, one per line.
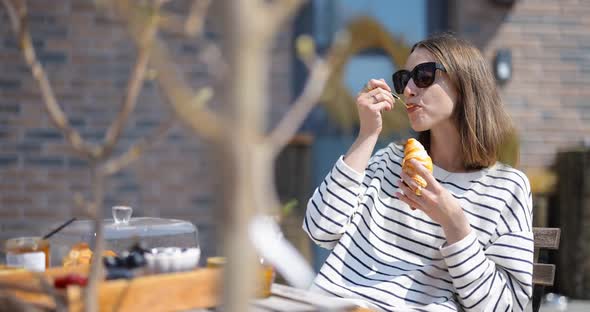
point(413, 149)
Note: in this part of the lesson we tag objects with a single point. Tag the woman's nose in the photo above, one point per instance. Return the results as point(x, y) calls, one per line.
point(411, 89)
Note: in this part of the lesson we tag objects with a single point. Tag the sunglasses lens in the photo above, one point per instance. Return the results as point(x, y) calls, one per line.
point(400, 80)
point(424, 75)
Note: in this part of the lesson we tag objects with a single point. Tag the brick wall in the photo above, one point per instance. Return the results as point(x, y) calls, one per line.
point(88, 56)
point(549, 94)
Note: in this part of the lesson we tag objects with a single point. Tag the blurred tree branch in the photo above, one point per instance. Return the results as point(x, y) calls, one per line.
point(320, 70)
point(134, 152)
point(189, 106)
point(17, 12)
point(196, 19)
point(136, 81)
point(193, 25)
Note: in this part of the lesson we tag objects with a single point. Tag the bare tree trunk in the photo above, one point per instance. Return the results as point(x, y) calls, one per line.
point(91, 291)
point(246, 106)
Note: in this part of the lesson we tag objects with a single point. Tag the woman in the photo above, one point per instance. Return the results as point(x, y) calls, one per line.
point(463, 242)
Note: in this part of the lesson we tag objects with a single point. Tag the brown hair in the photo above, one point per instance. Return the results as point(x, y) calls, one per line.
point(480, 117)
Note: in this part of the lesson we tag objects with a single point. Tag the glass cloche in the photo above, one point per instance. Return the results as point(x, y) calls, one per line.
point(123, 231)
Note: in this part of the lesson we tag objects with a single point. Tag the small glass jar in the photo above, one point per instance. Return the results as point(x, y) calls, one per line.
point(216, 262)
point(265, 275)
point(30, 253)
point(266, 278)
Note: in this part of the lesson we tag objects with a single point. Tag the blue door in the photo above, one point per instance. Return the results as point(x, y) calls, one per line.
point(409, 21)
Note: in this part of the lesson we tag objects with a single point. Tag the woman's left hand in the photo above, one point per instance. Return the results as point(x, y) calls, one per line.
point(436, 202)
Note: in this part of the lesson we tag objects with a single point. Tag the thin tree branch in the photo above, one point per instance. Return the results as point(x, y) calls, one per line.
point(192, 25)
point(196, 20)
point(80, 201)
point(18, 20)
point(278, 12)
point(320, 73)
point(134, 88)
point(188, 106)
point(134, 152)
point(290, 123)
point(172, 23)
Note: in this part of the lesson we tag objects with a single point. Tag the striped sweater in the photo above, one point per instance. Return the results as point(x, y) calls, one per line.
point(387, 256)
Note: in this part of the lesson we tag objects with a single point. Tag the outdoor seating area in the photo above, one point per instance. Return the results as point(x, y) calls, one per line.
point(294, 155)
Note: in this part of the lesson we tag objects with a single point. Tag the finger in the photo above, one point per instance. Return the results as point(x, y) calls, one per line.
point(385, 94)
point(379, 83)
point(383, 105)
point(382, 95)
point(423, 172)
point(373, 83)
point(413, 205)
point(387, 87)
point(369, 86)
point(388, 95)
point(409, 181)
point(423, 202)
point(406, 190)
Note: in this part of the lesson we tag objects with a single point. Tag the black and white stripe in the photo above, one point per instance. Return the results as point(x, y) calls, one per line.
point(395, 258)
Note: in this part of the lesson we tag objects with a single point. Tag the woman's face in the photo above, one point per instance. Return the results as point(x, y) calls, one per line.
point(432, 106)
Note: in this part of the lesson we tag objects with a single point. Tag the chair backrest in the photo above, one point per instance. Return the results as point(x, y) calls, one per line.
point(545, 238)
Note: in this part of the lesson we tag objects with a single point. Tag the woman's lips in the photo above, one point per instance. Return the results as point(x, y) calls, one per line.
point(412, 108)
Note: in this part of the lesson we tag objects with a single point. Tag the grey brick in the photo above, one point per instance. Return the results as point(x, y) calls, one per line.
point(28, 147)
point(76, 162)
point(8, 160)
point(574, 56)
point(128, 188)
point(202, 201)
point(53, 32)
point(52, 57)
point(9, 108)
point(44, 161)
point(77, 122)
point(4, 133)
point(9, 84)
point(43, 134)
point(93, 134)
point(41, 19)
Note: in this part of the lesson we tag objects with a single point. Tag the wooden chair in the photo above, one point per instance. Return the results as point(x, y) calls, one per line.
point(543, 274)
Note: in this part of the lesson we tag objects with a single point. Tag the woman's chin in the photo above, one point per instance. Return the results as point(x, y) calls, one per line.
point(418, 126)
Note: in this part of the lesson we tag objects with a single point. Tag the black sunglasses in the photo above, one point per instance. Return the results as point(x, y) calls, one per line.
point(423, 75)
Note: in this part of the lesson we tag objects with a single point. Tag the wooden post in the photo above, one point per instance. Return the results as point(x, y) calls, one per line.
point(573, 197)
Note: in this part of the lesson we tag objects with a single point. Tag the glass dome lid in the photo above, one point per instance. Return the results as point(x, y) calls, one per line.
point(136, 227)
point(122, 226)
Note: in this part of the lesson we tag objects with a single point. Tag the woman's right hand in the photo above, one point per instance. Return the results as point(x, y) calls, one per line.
point(370, 102)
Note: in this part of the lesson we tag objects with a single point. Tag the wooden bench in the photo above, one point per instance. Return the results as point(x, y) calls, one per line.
point(543, 274)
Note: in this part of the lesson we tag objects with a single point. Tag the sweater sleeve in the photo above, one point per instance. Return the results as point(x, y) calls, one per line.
point(498, 278)
point(332, 205)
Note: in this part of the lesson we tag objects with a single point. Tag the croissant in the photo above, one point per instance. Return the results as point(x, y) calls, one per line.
point(413, 149)
point(81, 254)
